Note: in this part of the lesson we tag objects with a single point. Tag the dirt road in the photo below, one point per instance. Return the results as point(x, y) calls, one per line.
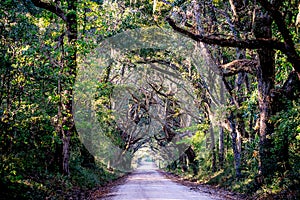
point(148, 184)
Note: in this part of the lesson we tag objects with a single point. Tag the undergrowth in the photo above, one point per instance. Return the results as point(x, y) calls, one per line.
point(283, 185)
point(51, 185)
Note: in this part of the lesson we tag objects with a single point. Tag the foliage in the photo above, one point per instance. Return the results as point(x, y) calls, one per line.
point(31, 57)
point(105, 115)
point(285, 139)
point(34, 57)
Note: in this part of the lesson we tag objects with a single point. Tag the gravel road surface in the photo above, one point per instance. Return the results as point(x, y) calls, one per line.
point(146, 183)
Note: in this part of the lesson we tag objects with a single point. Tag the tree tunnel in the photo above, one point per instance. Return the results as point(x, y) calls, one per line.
point(145, 89)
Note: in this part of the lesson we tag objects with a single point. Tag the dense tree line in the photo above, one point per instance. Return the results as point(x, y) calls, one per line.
point(242, 74)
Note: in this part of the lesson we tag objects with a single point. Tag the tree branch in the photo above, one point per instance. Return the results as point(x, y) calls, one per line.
point(50, 7)
point(236, 66)
point(286, 47)
point(225, 42)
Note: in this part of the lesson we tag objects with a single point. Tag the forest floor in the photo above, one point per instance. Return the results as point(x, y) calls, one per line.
point(147, 182)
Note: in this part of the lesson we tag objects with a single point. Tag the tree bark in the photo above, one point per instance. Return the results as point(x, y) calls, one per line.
point(266, 77)
point(290, 50)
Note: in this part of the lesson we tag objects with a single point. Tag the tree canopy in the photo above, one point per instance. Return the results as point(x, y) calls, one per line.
point(207, 89)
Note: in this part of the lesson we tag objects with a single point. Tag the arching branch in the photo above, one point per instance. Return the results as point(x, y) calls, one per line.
point(229, 42)
point(286, 47)
point(50, 7)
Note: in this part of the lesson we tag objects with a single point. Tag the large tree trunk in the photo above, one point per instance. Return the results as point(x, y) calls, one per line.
point(68, 73)
point(235, 135)
point(265, 76)
point(240, 123)
point(68, 126)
